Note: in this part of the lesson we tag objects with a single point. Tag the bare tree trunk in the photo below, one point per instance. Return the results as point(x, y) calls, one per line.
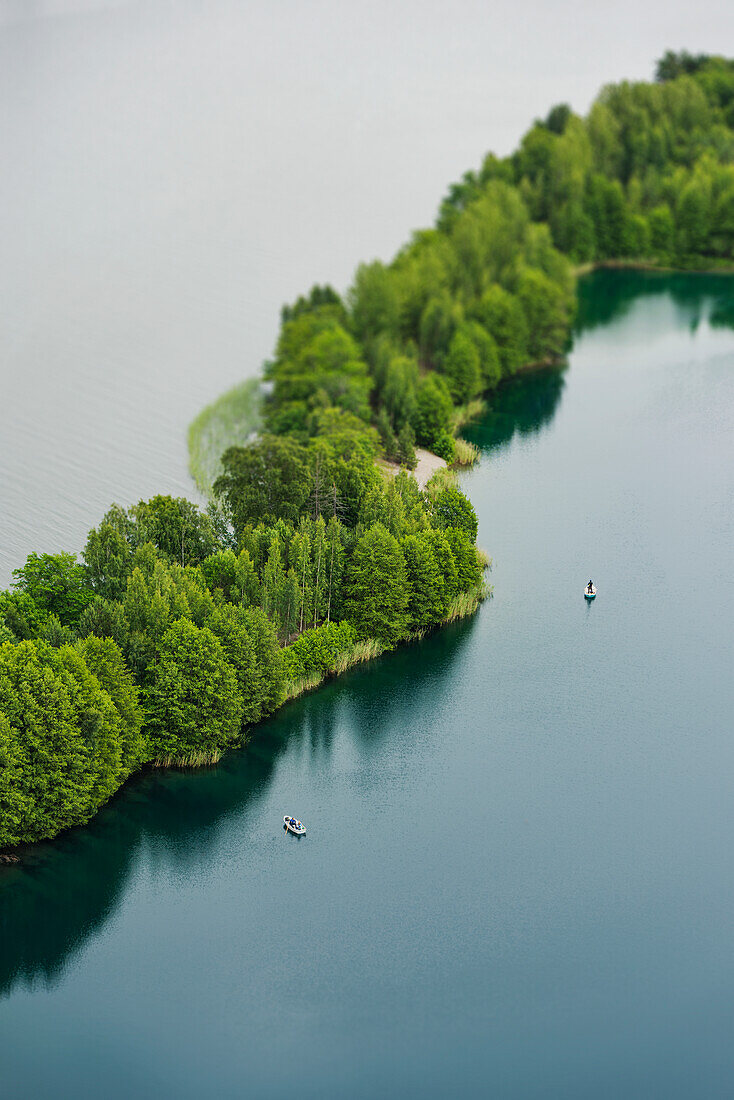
point(331, 575)
point(316, 588)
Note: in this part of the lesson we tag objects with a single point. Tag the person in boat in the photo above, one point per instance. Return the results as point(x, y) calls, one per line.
point(590, 587)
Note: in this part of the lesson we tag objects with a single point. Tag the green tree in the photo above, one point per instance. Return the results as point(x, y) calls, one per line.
point(221, 571)
point(662, 232)
point(399, 389)
point(546, 308)
point(693, 214)
point(373, 302)
point(231, 625)
point(427, 593)
point(334, 565)
point(104, 658)
point(451, 508)
point(377, 587)
point(406, 447)
point(438, 323)
point(433, 411)
point(468, 570)
point(269, 658)
point(502, 316)
point(22, 615)
point(108, 555)
point(56, 583)
point(265, 480)
point(60, 738)
point(176, 527)
point(444, 556)
point(462, 368)
point(490, 366)
point(193, 703)
point(105, 619)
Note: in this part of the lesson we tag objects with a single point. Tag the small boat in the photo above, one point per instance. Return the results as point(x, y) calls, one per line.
point(590, 593)
point(294, 826)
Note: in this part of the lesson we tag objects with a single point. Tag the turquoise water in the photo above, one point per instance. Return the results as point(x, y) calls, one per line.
point(517, 879)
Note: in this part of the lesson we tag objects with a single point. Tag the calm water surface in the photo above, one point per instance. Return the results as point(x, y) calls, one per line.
point(517, 879)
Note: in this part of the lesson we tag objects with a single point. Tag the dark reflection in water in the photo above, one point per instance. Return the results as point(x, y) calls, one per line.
point(527, 403)
point(607, 295)
point(66, 890)
point(523, 405)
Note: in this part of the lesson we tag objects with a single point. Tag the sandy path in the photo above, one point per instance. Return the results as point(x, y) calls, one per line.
point(425, 469)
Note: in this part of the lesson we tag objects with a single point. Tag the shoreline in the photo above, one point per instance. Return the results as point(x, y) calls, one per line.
point(463, 606)
point(726, 268)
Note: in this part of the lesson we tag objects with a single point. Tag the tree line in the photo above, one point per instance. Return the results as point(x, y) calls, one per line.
point(179, 628)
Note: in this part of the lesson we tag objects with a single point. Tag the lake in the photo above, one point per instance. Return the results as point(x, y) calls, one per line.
point(172, 173)
point(517, 879)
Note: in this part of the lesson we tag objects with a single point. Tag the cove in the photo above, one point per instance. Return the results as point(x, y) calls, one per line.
point(516, 879)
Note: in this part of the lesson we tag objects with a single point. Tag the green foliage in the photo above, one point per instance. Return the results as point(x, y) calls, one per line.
point(21, 615)
point(193, 703)
point(108, 554)
point(221, 572)
point(318, 299)
point(406, 455)
point(468, 569)
point(164, 526)
point(269, 659)
point(462, 368)
point(450, 508)
point(445, 561)
point(433, 410)
point(57, 584)
point(444, 446)
point(180, 531)
point(547, 310)
point(317, 651)
point(104, 658)
point(105, 619)
point(438, 323)
point(490, 367)
point(373, 302)
point(502, 316)
point(232, 626)
point(377, 587)
point(672, 64)
point(318, 366)
point(427, 591)
point(266, 480)
point(60, 742)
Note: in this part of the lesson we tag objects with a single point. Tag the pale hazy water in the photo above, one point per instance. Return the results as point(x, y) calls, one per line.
point(517, 880)
point(172, 172)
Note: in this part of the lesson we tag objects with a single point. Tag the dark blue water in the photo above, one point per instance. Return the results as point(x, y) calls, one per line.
point(517, 880)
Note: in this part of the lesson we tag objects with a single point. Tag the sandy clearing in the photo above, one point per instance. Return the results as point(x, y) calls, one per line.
point(425, 469)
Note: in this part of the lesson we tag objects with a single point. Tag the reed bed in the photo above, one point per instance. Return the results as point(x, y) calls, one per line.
point(445, 478)
point(465, 453)
point(465, 414)
point(188, 760)
point(484, 559)
point(230, 421)
point(362, 651)
point(466, 603)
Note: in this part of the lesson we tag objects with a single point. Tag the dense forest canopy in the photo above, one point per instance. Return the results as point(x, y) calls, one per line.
point(179, 628)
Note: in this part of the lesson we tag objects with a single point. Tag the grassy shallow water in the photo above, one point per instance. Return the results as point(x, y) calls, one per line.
point(516, 879)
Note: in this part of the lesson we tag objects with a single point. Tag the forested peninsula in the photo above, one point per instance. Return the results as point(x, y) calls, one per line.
point(180, 628)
